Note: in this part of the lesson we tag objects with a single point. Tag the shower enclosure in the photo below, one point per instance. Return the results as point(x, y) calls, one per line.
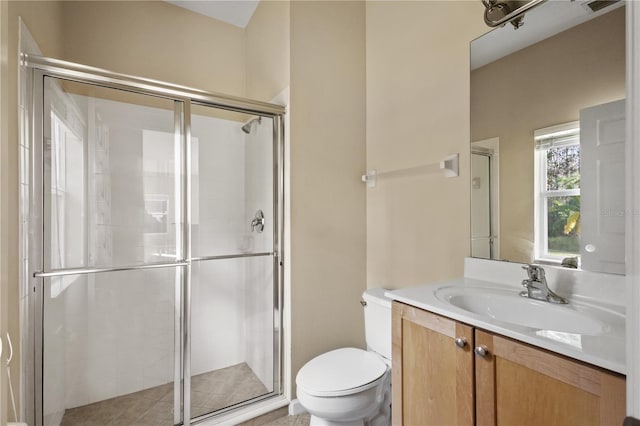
point(151, 246)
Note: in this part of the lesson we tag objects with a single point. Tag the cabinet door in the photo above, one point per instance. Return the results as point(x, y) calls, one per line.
point(432, 375)
point(517, 384)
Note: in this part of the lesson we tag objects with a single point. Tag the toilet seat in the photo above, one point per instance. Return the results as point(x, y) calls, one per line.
point(341, 372)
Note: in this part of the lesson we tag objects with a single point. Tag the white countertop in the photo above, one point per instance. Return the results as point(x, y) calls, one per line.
point(605, 349)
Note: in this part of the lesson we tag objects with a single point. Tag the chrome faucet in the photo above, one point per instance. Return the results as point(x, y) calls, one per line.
point(537, 288)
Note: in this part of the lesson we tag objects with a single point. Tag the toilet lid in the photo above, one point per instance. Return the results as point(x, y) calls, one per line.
point(336, 372)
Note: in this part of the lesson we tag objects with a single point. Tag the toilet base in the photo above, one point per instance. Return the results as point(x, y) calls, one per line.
point(317, 421)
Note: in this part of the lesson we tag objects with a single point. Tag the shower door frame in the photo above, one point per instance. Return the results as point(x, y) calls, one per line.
point(33, 271)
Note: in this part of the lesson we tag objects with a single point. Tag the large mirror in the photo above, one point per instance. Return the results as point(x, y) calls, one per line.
point(548, 138)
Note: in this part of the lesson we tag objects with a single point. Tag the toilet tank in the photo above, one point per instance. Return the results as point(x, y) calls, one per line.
point(377, 321)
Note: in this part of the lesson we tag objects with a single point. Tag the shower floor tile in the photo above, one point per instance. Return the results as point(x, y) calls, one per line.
point(154, 406)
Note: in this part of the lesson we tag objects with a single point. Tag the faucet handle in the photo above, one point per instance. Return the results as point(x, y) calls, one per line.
point(529, 269)
point(535, 272)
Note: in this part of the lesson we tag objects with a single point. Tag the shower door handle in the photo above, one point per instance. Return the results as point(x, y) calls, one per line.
point(257, 224)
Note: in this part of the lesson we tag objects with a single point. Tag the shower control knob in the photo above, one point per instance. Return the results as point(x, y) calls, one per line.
point(461, 342)
point(257, 223)
point(481, 351)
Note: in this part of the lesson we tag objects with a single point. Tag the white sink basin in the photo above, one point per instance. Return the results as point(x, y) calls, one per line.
point(508, 306)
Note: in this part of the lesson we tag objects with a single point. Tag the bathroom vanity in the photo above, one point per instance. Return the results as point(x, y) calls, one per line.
point(472, 350)
point(458, 359)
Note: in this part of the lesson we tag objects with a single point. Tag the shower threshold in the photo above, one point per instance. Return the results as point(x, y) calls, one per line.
point(210, 392)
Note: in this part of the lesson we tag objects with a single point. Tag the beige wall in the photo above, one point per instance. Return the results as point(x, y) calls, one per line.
point(418, 113)
point(156, 40)
point(267, 50)
point(328, 207)
point(543, 85)
point(4, 205)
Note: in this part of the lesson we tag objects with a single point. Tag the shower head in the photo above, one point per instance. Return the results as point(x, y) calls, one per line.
point(248, 126)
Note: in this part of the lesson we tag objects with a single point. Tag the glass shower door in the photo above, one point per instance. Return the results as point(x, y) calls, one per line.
point(151, 231)
point(110, 287)
point(233, 315)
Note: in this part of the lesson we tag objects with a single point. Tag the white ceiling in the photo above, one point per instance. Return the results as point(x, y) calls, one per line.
point(540, 23)
point(235, 12)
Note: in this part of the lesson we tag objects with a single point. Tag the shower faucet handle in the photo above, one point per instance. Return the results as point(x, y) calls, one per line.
point(257, 223)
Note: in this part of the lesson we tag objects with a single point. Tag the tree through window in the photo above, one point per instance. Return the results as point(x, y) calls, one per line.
point(557, 224)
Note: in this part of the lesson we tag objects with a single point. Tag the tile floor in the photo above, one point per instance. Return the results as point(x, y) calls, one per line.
point(299, 420)
point(209, 392)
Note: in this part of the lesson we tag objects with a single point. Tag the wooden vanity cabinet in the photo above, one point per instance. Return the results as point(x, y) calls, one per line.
point(440, 381)
point(432, 377)
point(518, 384)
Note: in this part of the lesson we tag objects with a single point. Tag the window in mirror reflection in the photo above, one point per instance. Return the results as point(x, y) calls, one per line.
point(557, 166)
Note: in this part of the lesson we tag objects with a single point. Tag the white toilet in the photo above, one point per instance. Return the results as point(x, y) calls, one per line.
point(349, 386)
